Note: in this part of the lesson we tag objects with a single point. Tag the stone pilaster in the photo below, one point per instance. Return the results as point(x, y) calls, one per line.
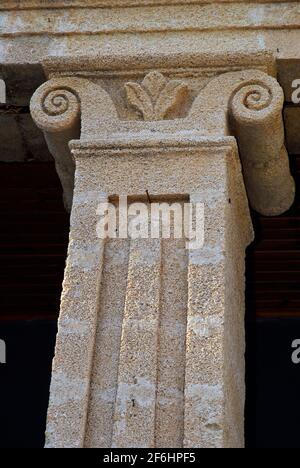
point(150, 348)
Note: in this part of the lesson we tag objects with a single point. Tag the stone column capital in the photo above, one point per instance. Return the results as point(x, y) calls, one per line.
point(95, 104)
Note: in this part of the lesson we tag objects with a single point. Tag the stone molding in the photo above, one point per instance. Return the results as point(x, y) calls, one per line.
point(146, 27)
point(246, 104)
point(178, 65)
point(37, 4)
point(165, 17)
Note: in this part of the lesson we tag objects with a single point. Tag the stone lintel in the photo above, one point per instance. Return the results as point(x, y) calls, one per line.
point(63, 4)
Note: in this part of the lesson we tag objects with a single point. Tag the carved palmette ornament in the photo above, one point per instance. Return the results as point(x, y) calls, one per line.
point(155, 97)
point(246, 104)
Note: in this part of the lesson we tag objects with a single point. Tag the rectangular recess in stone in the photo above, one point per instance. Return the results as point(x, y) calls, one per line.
point(141, 384)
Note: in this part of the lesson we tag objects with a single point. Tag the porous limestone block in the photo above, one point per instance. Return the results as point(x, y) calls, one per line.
point(151, 335)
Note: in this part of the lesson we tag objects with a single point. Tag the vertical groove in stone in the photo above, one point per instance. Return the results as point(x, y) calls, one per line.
point(107, 345)
point(171, 354)
point(134, 421)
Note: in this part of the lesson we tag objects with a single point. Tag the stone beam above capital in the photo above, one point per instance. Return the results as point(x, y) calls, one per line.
point(246, 104)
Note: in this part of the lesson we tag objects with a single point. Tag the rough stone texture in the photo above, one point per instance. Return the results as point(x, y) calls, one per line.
point(247, 104)
point(133, 393)
point(162, 87)
point(27, 4)
point(68, 27)
point(167, 348)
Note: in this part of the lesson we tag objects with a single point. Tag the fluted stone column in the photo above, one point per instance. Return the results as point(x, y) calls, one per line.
point(150, 347)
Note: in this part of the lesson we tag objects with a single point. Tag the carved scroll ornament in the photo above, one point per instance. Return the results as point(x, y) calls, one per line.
point(256, 121)
point(249, 101)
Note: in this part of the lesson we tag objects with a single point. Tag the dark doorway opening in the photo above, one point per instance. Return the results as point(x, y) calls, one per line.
point(33, 247)
point(272, 324)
